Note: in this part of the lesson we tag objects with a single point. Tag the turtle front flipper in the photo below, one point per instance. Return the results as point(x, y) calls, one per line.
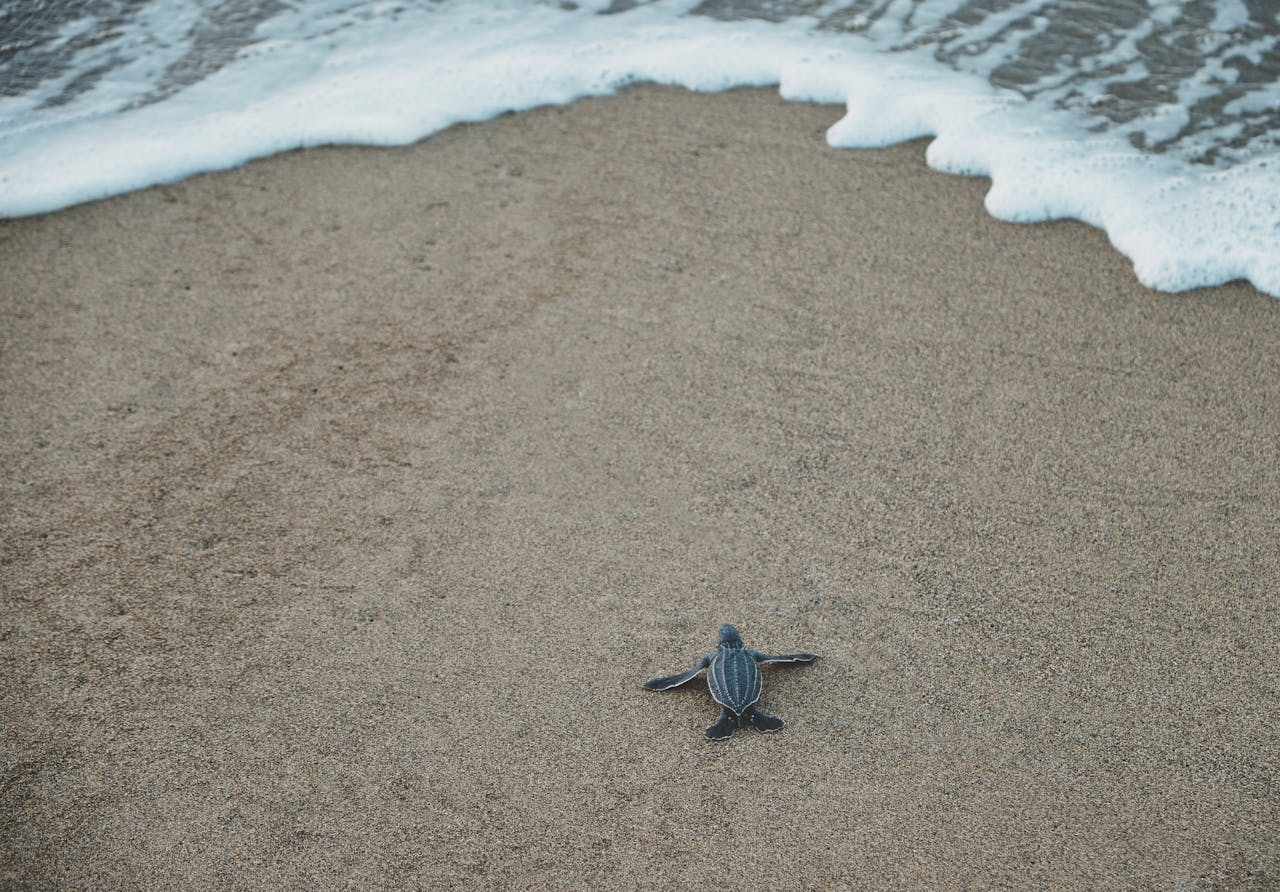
point(783, 658)
point(763, 722)
point(667, 682)
point(724, 728)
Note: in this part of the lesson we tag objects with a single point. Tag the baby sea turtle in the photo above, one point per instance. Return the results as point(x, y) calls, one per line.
point(733, 675)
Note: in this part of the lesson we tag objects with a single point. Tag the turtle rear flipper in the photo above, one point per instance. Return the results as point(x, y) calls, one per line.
point(763, 722)
point(667, 682)
point(724, 728)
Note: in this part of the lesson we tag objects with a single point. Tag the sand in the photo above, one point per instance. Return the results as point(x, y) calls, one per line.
point(350, 496)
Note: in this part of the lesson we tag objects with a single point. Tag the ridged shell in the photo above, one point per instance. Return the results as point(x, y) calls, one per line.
point(734, 679)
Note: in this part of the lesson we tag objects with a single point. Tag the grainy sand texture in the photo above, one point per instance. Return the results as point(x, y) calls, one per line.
point(349, 497)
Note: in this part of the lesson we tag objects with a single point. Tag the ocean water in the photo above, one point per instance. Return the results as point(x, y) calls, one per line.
point(1155, 120)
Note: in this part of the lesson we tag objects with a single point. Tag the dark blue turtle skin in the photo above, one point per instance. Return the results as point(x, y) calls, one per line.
point(735, 680)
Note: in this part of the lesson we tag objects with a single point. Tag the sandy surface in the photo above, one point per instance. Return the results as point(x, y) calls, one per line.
point(350, 496)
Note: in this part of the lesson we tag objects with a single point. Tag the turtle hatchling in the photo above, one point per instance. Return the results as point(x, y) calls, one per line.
point(733, 675)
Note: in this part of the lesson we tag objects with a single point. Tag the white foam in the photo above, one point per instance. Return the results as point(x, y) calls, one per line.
point(382, 81)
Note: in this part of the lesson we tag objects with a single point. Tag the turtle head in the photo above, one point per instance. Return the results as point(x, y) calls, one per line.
point(729, 636)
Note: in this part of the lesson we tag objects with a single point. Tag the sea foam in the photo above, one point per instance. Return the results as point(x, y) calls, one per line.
point(342, 72)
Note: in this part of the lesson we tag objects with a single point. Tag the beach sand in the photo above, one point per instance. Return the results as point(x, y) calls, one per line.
point(350, 496)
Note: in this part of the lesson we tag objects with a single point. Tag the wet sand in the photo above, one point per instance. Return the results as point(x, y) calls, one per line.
point(350, 496)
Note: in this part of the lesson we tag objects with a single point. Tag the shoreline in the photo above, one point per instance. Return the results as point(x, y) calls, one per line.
point(351, 495)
